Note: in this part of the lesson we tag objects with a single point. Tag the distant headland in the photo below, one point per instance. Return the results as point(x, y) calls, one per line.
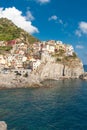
point(26, 61)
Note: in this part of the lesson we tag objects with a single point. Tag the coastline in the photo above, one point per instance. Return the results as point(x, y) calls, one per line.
point(11, 81)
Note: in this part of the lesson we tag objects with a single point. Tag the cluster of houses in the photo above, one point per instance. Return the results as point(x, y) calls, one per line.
point(19, 54)
point(53, 46)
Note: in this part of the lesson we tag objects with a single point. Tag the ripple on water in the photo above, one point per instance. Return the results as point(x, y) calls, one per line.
point(62, 106)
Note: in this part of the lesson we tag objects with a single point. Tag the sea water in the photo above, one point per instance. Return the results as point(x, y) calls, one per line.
point(85, 68)
point(60, 106)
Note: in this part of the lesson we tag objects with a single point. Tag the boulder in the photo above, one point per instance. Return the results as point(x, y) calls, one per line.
point(3, 125)
point(83, 76)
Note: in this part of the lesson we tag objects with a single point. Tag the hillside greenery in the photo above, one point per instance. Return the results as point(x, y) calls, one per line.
point(9, 31)
point(5, 48)
point(62, 58)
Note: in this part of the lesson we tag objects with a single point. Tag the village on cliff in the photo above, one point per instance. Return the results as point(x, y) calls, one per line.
point(21, 59)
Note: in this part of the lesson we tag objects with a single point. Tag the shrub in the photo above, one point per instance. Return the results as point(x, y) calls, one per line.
point(74, 55)
point(5, 48)
point(26, 74)
point(58, 59)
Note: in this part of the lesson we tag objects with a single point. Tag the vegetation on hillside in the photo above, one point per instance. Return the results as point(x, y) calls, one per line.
point(5, 48)
point(62, 58)
point(9, 31)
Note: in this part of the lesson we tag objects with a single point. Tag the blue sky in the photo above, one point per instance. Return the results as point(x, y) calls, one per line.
point(64, 20)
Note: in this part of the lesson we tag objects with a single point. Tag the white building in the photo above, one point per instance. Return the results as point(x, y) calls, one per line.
point(69, 50)
point(24, 59)
point(48, 48)
point(59, 42)
point(36, 64)
point(2, 60)
point(2, 43)
point(51, 48)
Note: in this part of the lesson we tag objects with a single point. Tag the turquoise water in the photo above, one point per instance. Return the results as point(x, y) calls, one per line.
point(85, 68)
point(62, 106)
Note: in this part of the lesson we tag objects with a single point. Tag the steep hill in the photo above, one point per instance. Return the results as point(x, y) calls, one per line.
point(9, 31)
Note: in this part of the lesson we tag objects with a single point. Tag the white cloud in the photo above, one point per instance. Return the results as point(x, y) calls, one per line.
point(78, 33)
point(54, 17)
point(18, 19)
point(43, 1)
point(29, 16)
point(79, 46)
point(82, 28)
point(60, 21)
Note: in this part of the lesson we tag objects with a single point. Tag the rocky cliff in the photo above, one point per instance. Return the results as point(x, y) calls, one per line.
point(50, 69)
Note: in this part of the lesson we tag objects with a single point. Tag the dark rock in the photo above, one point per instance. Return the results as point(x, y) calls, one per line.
point(83, 76)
